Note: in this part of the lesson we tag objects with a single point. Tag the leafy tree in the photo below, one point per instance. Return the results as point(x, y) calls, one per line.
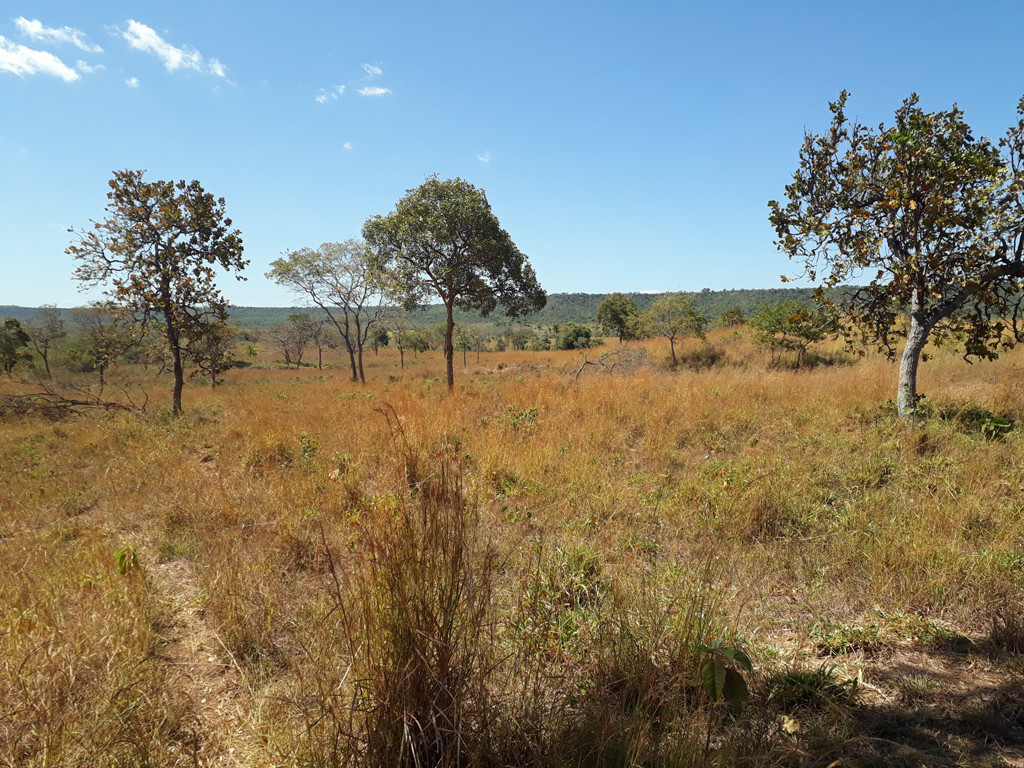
point(932, 217)
point(45, 330)
point(572, 336)
point(396, 321)
point(732, 317)
point(213, 351)
point(13, 341)
point(618, 314)
point(337, 278)
point(443, 239)
point(789, 326)
point(379, 338)
point(157, 250)
point(104, 335)
point(674, 316)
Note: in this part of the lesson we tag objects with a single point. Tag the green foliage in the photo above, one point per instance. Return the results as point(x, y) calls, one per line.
point(572, 336)
point(933, 216)
point(13, 341)
point(442, 239)
point(619, 316)
point(722, 674)
point(731, 317)
point(808, 689)
point(674, 316)
point(789, 326)
point(126, 559)
point(520, 418)
point(158, 251)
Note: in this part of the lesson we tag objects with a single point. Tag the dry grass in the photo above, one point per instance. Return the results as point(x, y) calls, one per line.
point(522, 572)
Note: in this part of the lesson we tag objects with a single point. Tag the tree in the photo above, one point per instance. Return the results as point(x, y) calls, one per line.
point(13, 341)
point(104, 335)
point(572, 336)
point(443, 239)
point(933, 219)
point(379, 338)
point(732, 317)
point(673, 316)
point(212, 352)
point(157, 250)
point(337, 278)
point(45, 330)
point(789, 326)
point(618, 315)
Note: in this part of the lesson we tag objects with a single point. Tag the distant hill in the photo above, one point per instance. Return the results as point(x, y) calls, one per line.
point(561, 308)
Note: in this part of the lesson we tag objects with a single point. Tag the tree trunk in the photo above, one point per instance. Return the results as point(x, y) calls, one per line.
point(672, 346)
point(449, 347)
point(917, 337)
point(179, 379)
point(401, 357)
point(319, 358)
point(362, 376)
point(213, 379)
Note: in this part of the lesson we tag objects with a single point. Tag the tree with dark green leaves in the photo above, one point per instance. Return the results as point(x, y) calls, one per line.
point(157, 252)
point(13, 343)
point(930, 217)
point(732, 317)
point(442, 239)
point(618, 315)
point(673, 316)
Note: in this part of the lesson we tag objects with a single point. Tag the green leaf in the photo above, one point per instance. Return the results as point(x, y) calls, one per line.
point(734, 690)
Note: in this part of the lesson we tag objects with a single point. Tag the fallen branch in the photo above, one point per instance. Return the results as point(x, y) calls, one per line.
point(620, 356)
point(55, 405)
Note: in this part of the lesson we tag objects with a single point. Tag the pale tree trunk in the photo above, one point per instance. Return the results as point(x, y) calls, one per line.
point(917, 337)
point(449, 347)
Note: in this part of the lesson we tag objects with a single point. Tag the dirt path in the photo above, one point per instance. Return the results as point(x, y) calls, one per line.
point(201, 667)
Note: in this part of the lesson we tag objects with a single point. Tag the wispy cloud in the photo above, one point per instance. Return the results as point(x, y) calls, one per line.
point(329, 95)
point(34, 30)
point(484, 158)
point(144, 38)
point(372, 70)
point(371, 90)
point(21, 60)
point(132, 82)
point(87, 69)
point(347, 145)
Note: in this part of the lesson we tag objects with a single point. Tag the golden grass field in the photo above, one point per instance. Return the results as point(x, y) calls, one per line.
point(530, 570)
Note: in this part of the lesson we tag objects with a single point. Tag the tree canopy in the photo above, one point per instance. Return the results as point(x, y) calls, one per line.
point(157, 252)
point(929, 215)
point(674, 316)
point(442, 239)
point(618, 314)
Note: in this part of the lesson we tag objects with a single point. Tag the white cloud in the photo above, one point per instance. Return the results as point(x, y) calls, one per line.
point(143, 38)
point(132, 82)
point(373, 91)
point(34, 30)
point(372, 70)
point(347, 145)
point(484, 158)
point(87, 69)
point(324, 96)
point(21, 61)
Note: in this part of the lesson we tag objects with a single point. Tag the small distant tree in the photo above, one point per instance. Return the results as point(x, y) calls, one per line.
point(379, 338)
point(13, 343)
point(572, 336)
point(732, 317)
point(337, 278)
point(930, 217)
point(418, 342)
point(396, 321)
point(157, 251)
point(674, 317)
point(462, 341)
point(618, 315)
point(789, 326)
point(443, 239)
point(104, 335)
point(46, 329)
point(212, 351)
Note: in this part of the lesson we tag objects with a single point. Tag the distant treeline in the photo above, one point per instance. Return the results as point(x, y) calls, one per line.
point(561, 308)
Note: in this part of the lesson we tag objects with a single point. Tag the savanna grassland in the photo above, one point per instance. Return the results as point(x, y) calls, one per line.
point(533, 570)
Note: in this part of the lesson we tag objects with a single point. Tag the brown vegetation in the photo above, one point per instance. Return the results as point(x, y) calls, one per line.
point(530, 570)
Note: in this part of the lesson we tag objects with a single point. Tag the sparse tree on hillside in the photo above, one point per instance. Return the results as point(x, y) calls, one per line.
point(674, 316)
point(929, 215)
point(618, 315)
point(212, 351)
point(104, 335)
point(337, 278)
point(157, 252)
point(45, 330)
point(443, 239)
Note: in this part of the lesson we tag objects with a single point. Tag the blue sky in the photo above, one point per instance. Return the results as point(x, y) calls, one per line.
point(624, 146)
